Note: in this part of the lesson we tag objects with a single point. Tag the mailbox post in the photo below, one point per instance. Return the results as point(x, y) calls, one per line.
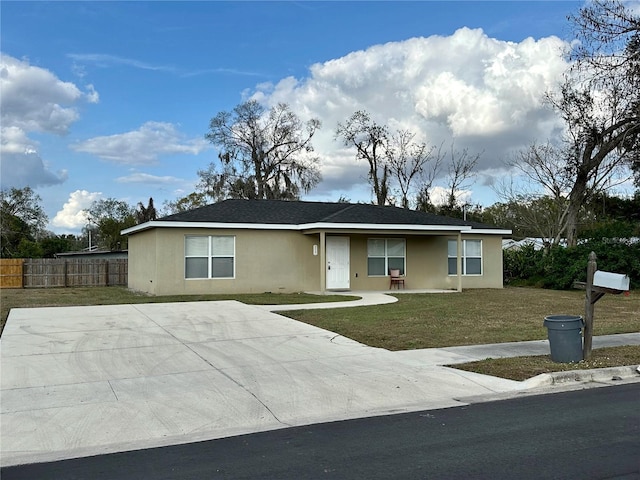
point(598, 283)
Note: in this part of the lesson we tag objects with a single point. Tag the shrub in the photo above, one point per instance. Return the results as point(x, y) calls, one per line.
point(561, 267)
point(524, 264)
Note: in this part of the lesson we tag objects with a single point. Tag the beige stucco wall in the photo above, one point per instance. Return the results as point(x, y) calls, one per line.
point(422, 259)
point(492, 271)
point(283, 261)
point(265, 261)
point(143, 260)
point(426, 263)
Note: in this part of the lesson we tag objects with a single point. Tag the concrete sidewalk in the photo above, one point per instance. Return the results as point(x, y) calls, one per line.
point(78, 381)
point(365, 299)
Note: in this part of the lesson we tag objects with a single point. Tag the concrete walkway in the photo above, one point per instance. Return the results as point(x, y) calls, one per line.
point(78, 381)
point(365, 299)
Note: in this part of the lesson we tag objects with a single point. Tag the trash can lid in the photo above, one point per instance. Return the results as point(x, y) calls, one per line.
point(563, 318)
point(563, 322)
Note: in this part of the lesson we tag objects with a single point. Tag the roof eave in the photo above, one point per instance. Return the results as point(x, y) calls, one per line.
point(314, 226)
point(381, 226)
point(490, 231)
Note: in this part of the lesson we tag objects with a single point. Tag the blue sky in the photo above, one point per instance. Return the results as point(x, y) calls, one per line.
point(112, 99)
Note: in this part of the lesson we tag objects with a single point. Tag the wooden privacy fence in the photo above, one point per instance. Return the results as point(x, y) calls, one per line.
point(11, 272)
point(62, 272)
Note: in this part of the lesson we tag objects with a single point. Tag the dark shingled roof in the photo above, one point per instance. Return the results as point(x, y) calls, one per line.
point(296, 213)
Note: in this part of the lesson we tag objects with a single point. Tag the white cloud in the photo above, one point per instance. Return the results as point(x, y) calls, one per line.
point(149, 179)
point(73, 215)
point(142, 146)
point(484, 94)
point(33, 100)
point(105, 60)
point(14, 140)
point(440, 196)
point(27, 168)
point(91, 95)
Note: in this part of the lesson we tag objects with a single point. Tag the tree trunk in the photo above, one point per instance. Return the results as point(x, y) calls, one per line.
point(571, 228)
point(259, 178)
point(577, 198)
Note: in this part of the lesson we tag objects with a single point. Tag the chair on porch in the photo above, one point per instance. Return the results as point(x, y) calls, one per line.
point(395, 278)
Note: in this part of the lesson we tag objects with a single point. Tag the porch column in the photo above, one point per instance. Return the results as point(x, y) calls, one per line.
point(323, 262)
point(459, 261)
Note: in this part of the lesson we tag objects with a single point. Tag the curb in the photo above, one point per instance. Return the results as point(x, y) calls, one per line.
point(584, 376)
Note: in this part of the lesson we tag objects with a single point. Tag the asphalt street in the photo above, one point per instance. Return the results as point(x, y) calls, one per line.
point(585, 434)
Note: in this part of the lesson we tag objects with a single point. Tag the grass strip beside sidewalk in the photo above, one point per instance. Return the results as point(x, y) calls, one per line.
point(523, 368)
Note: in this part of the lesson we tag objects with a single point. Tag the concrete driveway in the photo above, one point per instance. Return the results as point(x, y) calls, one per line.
point(77, 381)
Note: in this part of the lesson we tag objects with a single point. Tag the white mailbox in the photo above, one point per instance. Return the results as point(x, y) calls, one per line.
point(615, 281)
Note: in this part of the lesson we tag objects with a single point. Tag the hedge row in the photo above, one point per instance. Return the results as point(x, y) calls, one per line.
point(560, 267)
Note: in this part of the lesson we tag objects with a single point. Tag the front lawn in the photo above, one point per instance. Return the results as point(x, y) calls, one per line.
point(471, 317)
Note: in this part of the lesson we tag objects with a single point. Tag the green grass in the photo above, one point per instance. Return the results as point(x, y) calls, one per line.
point(522, 368)
point(471, 317)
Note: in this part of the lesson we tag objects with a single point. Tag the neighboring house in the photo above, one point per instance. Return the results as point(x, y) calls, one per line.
point(539, 243)
point(245, 246)
point(99, 254)
point(536, 243)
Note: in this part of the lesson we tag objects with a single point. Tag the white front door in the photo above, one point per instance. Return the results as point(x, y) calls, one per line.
point(337, 263)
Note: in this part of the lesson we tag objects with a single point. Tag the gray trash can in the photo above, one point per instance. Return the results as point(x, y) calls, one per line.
point(565, 337)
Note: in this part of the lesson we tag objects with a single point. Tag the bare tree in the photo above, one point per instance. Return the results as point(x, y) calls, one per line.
point(599, 101)
point(597, 150)
point(532, 213)
point(265, 155)
point(609, 35)
point(543, 167)
point(460, 173)
point(407, 161)
point(426, 180)
point(546, 167)
point(530, 217)
point(369, 139)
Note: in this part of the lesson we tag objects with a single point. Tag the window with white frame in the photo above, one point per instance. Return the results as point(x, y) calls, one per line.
point(209, 256)
point(384, 254)
point(471, 257)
